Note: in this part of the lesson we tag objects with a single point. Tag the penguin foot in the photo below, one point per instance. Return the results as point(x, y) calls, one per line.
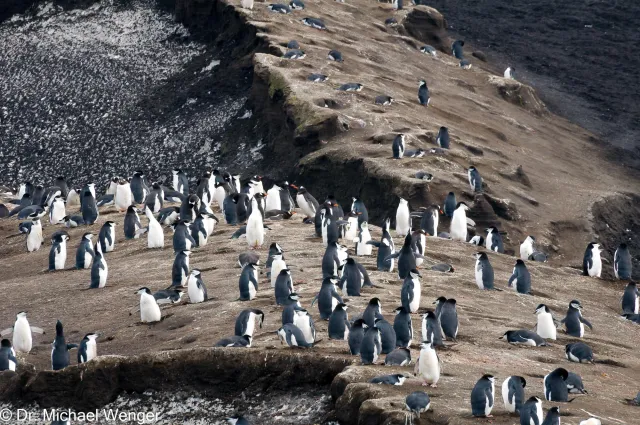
point(434, 386)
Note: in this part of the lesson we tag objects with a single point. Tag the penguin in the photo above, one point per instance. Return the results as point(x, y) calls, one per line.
point(395, 379)
point(403, 327)
point(203, 187)
point(592, 262)
point(131, 225)
point(293, 44)
point(246, 321)
point(428, 365)
point(248, 282)
point(22, 333)
point(579, 352)
point(521, 278)
point(429, 220)
point(630, 300)
point(328, 297)
point(274, 249)
point(137, 187)
point(195, 287)
point(190, 207)
point(406, 258)
point(363, 247)
point(84, 253)
point(107, 236)
point(89, 209)
point(573, 321)
point(555, 388)
point(73, 197)
point(34, 237)
point(591, 421)
point(387, 335)
point(456, 49)
point(494, 240)
point(398, 146)
point(57, 211)
point(553, 416)
point(545, 327)
point(283, 286)
point(465, 64)
point(443, 138)
point(155, 234)
point(431, 329)
point(235, 341)
point(304, 322)
point(73, 221)
point(317, 78)
point(338, 327)
point(531, 412)
point(123, 196)
point(574, 384)
point(351, 280)
point(401, 356)
point(448, 316)
point(509, 73)
point(279, 8)
point(458, 229)
point(88, 348)
point(99, 269)
point(383, 100)
point(50, 195)
point(526, 248)
point(371, 346)
point(429, 50)
point(274, 201)
point(155, 198)
point(292, 336)
point(246, 4)
point(291, 307)
point(237, 419)
point(386, 248)
point(179, 181)
point(417, 402)
point(359, 209)
point(37, 196)
point(334, 257)
point(524, 337)
point(475, 181)
point(450, 205)
point(180, 269)
point(182, 239)
point(58, 252)
point(411, 290)
point(419, 245)
point(484, 271)
point(243, 205)
point(622, 262)
point(8, 359)
point(482, 397)
point(169, 295)
point(355, 336)
point(423, 93)
point(513, 393)
point(149, 309)
point(60, 351)
point(198, 231)
point(307, 202)
point(335, 56)
point(351, 87)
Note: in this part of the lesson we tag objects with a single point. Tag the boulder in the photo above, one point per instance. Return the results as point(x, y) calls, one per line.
point(519, 94)
point(427, 25)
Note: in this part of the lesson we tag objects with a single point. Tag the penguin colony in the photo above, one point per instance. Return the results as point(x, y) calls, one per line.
point(369, 334)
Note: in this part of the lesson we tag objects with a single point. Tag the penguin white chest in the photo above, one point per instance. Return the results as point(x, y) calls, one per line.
point(123, 197)
point(596, 266)
point(363, 247)
point(255, 228)
point(149, 310)
point(352, 228)
point(110, 242)
point(429, 366)
point(509, 405)
point(22, 339)
point(34, 238)
point(581, 329)
point(273, 200)
point(61, 257)
point(546, 328)
point(417, 291)
point(251, 324)
point(103, 273)
point(57, 212)
point(458, 229)
point(403, 219)
point(88, 258)
point(302, 322)
point(526, 249)
point(92, 350)
point(276, 267)
point(479, 280)
point(155, 236)
point(196, 295)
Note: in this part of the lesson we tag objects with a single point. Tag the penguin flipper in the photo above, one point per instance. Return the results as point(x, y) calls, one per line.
point(392, 256)
point(35, 329)
point(71, 346)
point(586, 322)
point(374, 243)
point(12, 358)
point(337, 296)
point(314, 300)
point(511, 279)
point(6, 332)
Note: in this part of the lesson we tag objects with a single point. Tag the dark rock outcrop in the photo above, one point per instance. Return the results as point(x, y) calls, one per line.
point(519, 94)
point(427, 25)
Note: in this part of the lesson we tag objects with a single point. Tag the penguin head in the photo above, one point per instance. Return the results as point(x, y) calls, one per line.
point(400, 310)
point(143, 290)
point(21, 315)
point(59, 329)
point(440, 300)
point(342, 306)
point(195, 272)
point(622, 246)
point(247, 337)
point(91, 336)
point(463, 206)
point(429, 315)
point(520, 263)
point(233, 420)
point(110, 224)
point(425, 345)
point(375, 302)
point(555, 410)
point(5, 343)
point(364, 225)
point(562, 373)
point(575, 304)
point(387, 224)
point(489, 378)
point(523, 381)
point(414, 273)
point(506, 335)
point(530, 239)
point(542, 308)
point(492, 229)
point(351, 261)
point(423, 83)
point(480, 255)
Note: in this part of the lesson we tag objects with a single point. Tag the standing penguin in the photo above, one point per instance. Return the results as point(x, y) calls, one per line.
point(494, 240)
point(88, 206)
point(475, 181)
point(419, 245)
point(334, 257)
point(155, 234)
point(360, 210)
point(255, 227)
point(60, 351)
point(328, 297)
point(592, 262)
point(398, 146)
point(403, 327)
point(131, 225)
point(57, 211)
point(107, 236)
point(521, 278)
point(338, 326)
point(58, 252)
point(630, 300)
point(386, 248)
point(137, 187)
point(34, 237)
point(431, 329)
point(423, 93)
point(99, 269)
point(456, 49)
point(283, 286)
point(182, 239)
point(8, 359)
point(513, 393)
point(546, 327)
point(484, 271)
point(351, 280)
point(84, 254)
point(553, 416)
point(403, 218)
point(22, 333)
point(573, 321)
point(531, 412)
point(149, 309)
point(450, 204)
point(371, 346)
point(196, 289)
point(198, 231)
point(246, 321)
point(123, 197)
point(248, 282)
point(430, 219)
point(291, 306)
point(526, 248)
point(555, 388)
point(428, 365)
point(387, 335)
point(482, 396)
point(155, 198)
point(88, 348)
point(406, 258)
point(179, 181)
point(448, 316)
point(410, 292)
point(190, 207)
point(443, 138)
point(458, 229)
point(304, 322)
point(306, 202)
point(356, 335)
point(622, 262)
point(363, 247)
point(180, 269)
point(417, 402)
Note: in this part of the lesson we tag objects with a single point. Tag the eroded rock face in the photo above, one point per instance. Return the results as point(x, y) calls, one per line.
point(427, 25)
point(519, 94)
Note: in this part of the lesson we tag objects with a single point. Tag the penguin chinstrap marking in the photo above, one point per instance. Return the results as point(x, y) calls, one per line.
point(428, 365)
point(574, 322)
point(411, 291)
point(483, 271)
point(482, 397)
point(513, 393)
point(195, 288)
point(622, 262)
point(248, 282)
point(520, 278)
point(592, 261)
point(149, 309)
point(58, 252)
point(406, 258)
point(60, 350)
point(88, 348)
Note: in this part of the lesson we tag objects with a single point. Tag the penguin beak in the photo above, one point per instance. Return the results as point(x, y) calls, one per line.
point(294, 186)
